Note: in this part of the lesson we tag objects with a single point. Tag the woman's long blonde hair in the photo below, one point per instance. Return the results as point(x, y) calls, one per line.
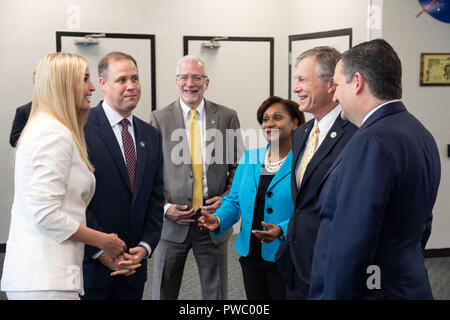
point(58, 75)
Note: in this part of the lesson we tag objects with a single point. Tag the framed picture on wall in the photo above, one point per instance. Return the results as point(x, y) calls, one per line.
point(435, 69)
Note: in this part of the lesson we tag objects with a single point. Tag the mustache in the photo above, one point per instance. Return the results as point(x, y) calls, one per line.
point(190, 89)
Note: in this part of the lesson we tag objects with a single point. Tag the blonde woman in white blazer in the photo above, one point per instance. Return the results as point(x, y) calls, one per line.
point(53, 185)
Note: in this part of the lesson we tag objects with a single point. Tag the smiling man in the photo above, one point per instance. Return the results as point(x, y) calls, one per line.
point(376, 200)
point(193, 185)
point(126, 153)
point(315, 145)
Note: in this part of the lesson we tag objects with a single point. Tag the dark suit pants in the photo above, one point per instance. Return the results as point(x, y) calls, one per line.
point(118, 289)
point(261, 280)
point(170, 259)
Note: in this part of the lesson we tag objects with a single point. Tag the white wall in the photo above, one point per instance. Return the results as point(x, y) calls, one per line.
point(28, 33)
point(325, 15)
point(410, 36)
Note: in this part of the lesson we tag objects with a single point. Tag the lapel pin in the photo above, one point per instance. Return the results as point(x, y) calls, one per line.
point(333, 135)
point(212, 122)
point(142, 144)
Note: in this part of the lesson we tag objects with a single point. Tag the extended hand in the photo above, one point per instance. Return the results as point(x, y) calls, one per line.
point(179, 214)
point(208, 221)
point(273, 232)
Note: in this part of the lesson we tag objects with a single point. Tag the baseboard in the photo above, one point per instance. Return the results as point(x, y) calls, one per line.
point(437, 253)
point(429, 253)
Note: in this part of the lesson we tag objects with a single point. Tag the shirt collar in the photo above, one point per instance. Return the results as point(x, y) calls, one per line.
point(113, 116)
point(375, 109)
point(327, 121)
point(186, 109)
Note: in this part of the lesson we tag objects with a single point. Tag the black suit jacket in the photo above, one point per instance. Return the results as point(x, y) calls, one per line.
point(294, 257)
point(19, 122)
point(134, 217)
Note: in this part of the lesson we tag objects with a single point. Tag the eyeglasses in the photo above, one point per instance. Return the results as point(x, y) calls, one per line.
point(194, 77)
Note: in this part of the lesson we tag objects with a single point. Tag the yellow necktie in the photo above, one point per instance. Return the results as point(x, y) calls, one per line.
point(309, 152)
point(196, 158)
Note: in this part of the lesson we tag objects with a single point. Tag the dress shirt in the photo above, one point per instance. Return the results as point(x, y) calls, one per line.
point(325, 125)
point(201, 120)
point(114, 119)
point(375, 109)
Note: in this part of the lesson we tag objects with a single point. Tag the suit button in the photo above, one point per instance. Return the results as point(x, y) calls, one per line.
point(270, 194)
point(269, 210)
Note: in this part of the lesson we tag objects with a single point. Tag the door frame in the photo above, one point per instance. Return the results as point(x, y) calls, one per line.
point(150, 37)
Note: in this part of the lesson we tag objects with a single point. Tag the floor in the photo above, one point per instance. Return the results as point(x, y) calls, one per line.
point(438, 271)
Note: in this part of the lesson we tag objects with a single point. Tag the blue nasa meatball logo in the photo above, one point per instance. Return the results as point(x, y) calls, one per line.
point(438, 9)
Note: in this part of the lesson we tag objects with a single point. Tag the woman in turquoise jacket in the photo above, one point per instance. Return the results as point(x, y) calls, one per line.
point(261, 198)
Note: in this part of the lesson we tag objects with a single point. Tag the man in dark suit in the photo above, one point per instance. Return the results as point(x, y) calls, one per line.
point(19, 122)
point(377, 198)
point(315, 145)
point(127, 156)
point(190, 186)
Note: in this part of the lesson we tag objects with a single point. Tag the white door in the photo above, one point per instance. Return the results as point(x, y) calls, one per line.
point(239, 73)
point(139, 49)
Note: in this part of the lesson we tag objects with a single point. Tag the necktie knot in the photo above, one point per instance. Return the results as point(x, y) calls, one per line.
point(124, 122)
point(316, 130)
point(193, 114)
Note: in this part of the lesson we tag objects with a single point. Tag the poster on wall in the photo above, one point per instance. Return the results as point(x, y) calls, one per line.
point(435, 69)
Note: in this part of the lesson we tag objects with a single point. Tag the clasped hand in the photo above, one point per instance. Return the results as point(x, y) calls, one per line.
point(181, 215)
point(127, 263)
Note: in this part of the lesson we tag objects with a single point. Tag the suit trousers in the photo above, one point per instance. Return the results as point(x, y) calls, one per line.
point(261, 282)
point(211, 259)
point(118, 289)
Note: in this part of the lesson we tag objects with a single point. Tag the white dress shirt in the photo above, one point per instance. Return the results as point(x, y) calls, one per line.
point(201, 120)
point(375, 109)
point(325, 125)
point(114, 119)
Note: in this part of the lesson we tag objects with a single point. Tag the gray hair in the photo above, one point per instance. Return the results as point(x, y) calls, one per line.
point(326, 58)
point(191, 57)
point(380, 66)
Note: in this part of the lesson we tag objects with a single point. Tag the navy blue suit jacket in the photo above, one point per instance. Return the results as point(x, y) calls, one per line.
point(376, 210)
point(19, 122)
point(134, 217)
point(294, 256)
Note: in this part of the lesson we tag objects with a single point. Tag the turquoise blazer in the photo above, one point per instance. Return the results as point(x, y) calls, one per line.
point(240, 202)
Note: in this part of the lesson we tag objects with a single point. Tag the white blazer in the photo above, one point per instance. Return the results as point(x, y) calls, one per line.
point(52, 188)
